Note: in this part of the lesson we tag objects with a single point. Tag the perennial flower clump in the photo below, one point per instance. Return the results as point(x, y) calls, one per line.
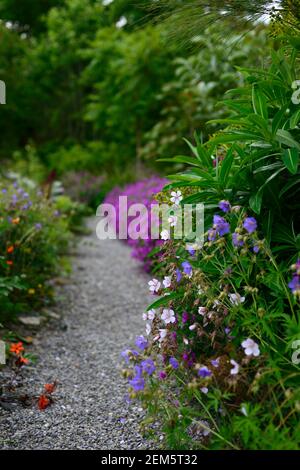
point(209, 355)
point(141, 192)
point(33, 235)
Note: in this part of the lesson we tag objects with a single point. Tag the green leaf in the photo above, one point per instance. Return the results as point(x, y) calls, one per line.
point(226, 167)
point(295, 119)
point(290, 158)
point(259, 102)
point(286, 138)
point(255, 202)
point(162, 301)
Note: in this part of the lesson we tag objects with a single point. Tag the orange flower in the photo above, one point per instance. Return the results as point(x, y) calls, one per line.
point(9, 262)
point(43, 402)
point(50, 387)
point(16, 221)
point(24, 360)
point(16, 348)
point(10, 249)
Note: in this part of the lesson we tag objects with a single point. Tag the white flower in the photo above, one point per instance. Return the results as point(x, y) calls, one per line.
point(173, 219)
point(186, 341)
point(154, 285)
point(176, 197)
point(204, 390)
point(168, 316)
point(236, 299)
point(148, 329)
point(202, 310)
point(162, 334)
point(235, 369)
point(192, 327)
point(167, 281)
point(251, 347)
point(164, 235)
point(149, 315)
point(243, 410)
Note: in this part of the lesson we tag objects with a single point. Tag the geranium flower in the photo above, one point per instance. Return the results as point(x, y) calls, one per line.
point(176, 197)
point(178, 275)
point(204, 372)
point(224, 206)
point(251, 347)
point(204, 390)
point(16, 348)
point(148, 366)
point(187, 268)
point(162, 375)
point(149, 315)
point(137, 383)
point(168, 316)
point(148, 329)
point(221, 226)
point(193, 327)
point(141, 342)
point(211, 235)
point(154, 285)
point(215, 362)
point(235, 369)
point(167, 281)
point(250, 224)
point(174, 363)
point(162, 334)
point(202, 311)
point(294, 285)
point(236, 299)
point(237, 240)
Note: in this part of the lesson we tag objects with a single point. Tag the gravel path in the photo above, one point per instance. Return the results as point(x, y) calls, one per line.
point(101, 310)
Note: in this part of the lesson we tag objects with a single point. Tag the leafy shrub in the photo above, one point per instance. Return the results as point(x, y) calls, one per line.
point(218, 365)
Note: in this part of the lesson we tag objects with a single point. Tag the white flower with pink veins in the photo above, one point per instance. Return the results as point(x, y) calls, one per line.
point(168, 316)
point(251, 347)
point(154, 285)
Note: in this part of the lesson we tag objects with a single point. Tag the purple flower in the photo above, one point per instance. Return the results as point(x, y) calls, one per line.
point(204, 372)
point(256, 249)
point(185, 317)
point(215, 362)
point(224, 206)
point(191, 251)
point(236, 241)
point(4, 191)
point(227, 330)
point(211, 235)
point(187, 268)
point(162, 375)
point(294, 285)
point(148, 366)
point(221, 225)
point(38, 226)
point(178, 275)
point(174, 363)
point(250, 224)
point(141, 342)
point(137, 383)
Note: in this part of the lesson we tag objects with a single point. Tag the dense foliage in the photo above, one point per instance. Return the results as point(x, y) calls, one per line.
point(219, 364)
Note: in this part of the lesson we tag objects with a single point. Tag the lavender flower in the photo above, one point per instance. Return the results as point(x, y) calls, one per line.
point(250, 224)
point(224, 206)
point(204, 372)
point(174, 363)
point(221, 225)
point(141, 342)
